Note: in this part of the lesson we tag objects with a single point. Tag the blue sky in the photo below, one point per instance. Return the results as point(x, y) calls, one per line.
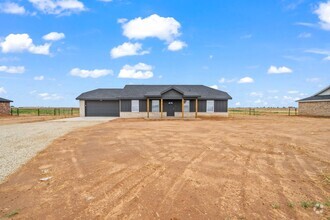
point(263, 53)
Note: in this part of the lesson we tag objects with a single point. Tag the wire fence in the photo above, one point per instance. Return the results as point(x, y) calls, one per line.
point(291, 111)
point(44, 111)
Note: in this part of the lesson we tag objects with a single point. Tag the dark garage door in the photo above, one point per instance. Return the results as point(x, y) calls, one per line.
point(102, 108)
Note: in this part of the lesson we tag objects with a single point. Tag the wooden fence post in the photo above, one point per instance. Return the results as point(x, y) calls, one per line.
point(295, 111)
point(38, 111)
point(54, 111)
point(71, 111)
point(11, 111)
point(17, 111)
point(289, 111)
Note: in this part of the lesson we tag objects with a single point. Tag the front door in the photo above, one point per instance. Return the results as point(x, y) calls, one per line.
point(170, 108)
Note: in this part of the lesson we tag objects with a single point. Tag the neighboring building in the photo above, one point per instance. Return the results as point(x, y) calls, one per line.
point(316, 105)
point(5, 106)
point(155, 101)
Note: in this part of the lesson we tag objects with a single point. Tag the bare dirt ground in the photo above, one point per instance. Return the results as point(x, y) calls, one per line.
point(6, 120)
point(235, 168)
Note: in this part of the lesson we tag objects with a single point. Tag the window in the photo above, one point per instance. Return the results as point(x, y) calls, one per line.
point(135, 105)
point(210, 106)
point(155, 105)
point(186, 107)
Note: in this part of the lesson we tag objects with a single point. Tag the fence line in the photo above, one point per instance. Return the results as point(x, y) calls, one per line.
point(44, 111)
point(291, 111)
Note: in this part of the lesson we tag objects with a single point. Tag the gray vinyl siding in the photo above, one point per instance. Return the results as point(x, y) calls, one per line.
point(172, 94)
point(143, 105)
point(126, 106)
point(201, 105)
point(220, 106)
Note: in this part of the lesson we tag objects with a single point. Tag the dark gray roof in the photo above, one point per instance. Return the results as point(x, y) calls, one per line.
point(317, 96)
point(143, 91)
point(101, 94)
point(5, 100)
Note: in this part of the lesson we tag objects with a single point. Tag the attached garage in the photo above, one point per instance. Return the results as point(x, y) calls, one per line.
point(102, 108)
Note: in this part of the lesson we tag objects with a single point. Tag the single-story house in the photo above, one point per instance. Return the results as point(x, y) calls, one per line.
point(5, 106)
point(316, 105)
point(155, 101)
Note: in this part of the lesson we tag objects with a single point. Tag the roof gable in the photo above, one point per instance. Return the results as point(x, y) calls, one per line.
point(323, 95)
point(5, 100)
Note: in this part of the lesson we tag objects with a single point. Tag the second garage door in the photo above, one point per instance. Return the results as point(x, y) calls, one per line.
point(102, 108)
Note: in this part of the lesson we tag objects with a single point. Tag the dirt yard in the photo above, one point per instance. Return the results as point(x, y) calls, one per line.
point(7, 120)
point(235, 168)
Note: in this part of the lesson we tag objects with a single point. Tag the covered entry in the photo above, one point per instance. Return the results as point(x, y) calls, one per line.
point(102, 108)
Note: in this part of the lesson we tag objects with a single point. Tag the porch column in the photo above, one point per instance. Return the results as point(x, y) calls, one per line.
point(182, 108)
point(161, 108)
point(196, 108)
point(147, 107)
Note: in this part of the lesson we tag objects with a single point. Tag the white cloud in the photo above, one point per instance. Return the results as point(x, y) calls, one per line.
point(163, 28)
point(2, 90)
point(127, 49)
point(139, 71)
point(272, 91)
point(12, 8)
point(176, 45)
point(12, 69)
point(246, 80)
point(257, 94)
point(214, 87)
point(313, 80)
point(279, 70)
point(105, 0)
point(54, 36)
point(290, 98)
point(293, 92)
point(39, 78)
point(57, 7)
point(260, 102)
point(122, 20)
point(304, 35)
point(224, 80)
point(323, 12)
point(22, 42)
point(321, 52)
point(47, 96)
point(90, 73)
point(238, 104)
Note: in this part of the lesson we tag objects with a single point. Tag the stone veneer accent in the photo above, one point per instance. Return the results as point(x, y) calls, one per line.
point(320, 108)
point(4, 108)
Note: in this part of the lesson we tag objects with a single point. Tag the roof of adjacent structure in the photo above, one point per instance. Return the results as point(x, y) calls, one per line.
point(144, 91)
point(317, 96)
point(5, 100)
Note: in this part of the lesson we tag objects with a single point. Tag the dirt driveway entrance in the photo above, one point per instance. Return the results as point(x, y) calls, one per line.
point(235, 168)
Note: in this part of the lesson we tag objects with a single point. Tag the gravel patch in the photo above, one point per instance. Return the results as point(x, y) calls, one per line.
point(20, 142)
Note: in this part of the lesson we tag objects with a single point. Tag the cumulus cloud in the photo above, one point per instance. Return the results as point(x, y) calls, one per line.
point(127, 49)
point(39, 78)
point(163, 28)
point(57, 7)
point(323, 12)
point(54, 36)
point(238, 104)
point(16, 43)
point(12, 69)
point(122, 20)
point(214, 87)
point(138, 71)
point(279, 70)
point(48, 96)
point(90, 73)
point(176, 45)
point(12, 8)
point(246, 80)
point(2, 90)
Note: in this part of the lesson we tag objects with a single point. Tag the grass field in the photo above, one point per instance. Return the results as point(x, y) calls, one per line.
point(44, 111)
point(263, 111)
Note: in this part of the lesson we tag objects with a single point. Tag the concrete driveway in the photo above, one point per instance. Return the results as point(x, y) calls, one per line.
point(20, 142)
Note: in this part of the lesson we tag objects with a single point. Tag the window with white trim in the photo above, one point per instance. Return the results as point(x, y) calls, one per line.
point(155, 105)
point(186, 106)
point(135, 106)
point(210, 106)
